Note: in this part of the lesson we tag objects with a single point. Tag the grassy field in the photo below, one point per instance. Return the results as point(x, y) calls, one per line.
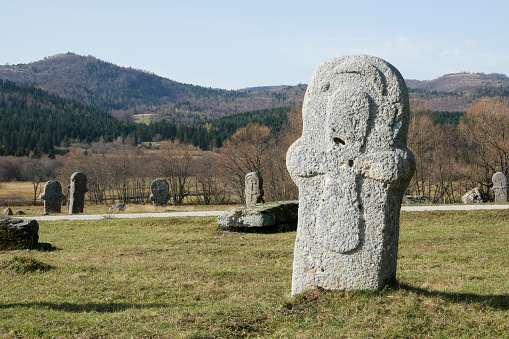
point(181, 278)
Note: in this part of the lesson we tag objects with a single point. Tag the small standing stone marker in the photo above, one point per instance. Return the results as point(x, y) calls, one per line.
point(254, 189)
point(500, 187)
point(160, 192)
point(77, 190)
point(52, 197)
point(352, 167)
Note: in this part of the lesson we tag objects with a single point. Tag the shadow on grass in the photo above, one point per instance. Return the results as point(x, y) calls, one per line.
point(500, 302)
point(78, 308)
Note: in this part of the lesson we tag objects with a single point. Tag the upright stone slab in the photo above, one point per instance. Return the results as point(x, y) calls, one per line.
point(52, 197)
point(77, 190)
point(160, 192)
point(352, 167)
point(254, 189)
point(500, 187)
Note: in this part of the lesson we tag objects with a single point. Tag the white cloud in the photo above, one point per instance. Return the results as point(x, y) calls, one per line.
point(447, 52)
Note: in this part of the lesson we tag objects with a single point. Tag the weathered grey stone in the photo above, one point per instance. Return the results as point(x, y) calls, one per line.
point(52, 197)
point(474, 196)
point(16, 234)
point(276, 216)
point(77, 190)
point(7, 211)
point(116, 208)
point(160, 192)
point(352, 167)
point(499, 187)
point(416, 199)
point(19, 212)
point(254, 189)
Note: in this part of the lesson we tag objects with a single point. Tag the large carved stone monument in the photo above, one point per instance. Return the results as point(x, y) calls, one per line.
point(254, 189)
point(500, 187)
point(160, 192)
point(352, 167)
point(77, 190)
point(52, 197)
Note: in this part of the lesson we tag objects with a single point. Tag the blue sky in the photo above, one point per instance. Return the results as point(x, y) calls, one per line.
point(237, 44)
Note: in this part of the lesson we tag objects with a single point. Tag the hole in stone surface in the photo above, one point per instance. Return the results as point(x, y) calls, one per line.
point(369, 195)
point(339, 141)
point(385, 185)
point(334, 130)
point(360, 206)
point(350, 162)
point(323, 270)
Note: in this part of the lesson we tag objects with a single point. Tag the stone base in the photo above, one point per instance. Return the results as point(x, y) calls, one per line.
point(273, 217)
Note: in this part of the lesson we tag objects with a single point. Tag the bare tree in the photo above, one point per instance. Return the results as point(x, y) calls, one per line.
point(246, 151)
point(485, 130)
point(179, 159)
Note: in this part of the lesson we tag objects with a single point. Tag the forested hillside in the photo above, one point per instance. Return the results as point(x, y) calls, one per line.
point(35, 121)
point(125, 92)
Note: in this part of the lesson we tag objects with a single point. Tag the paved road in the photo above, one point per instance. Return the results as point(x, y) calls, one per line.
point(454, 207)
point(216, 213)
point(126, 215)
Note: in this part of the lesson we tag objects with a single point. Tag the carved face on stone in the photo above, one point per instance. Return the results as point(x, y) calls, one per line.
point(253, 188)
point(253, 182)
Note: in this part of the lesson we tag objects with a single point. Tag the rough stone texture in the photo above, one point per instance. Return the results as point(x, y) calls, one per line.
point(499, 187)
point(254, 189)
point(352, 167)
point(7, 211)
point(416, 199)
point(277, 216)
point(16, 234)
point(474, 196)
point(52, 197)
point(160, 192)
point(77, 190)
point(116, 208)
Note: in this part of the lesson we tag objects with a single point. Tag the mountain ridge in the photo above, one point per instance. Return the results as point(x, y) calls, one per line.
point(125, 92)
point(128, 93)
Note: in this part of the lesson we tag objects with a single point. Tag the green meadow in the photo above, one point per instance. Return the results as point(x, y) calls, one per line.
point(182, 278)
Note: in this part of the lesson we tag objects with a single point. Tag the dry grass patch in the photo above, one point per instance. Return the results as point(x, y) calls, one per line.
point(181, 278)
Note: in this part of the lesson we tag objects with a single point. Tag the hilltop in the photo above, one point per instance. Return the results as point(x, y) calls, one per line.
point(125, 92)
point(455, 92)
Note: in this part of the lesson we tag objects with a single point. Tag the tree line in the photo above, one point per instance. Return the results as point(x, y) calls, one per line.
point(33, 121)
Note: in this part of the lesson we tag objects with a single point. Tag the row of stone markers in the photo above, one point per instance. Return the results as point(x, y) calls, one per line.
point(53, 196)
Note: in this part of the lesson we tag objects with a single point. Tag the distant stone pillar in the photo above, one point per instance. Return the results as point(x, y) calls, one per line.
point(52, 197)
point(160, 192)
point(254, 189)
point(77, 190)
point(352, 167)
point(500, 187)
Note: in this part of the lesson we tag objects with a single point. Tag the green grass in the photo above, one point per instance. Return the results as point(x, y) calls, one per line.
point(181, 278)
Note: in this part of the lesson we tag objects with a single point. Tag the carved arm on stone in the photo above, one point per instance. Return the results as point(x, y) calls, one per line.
point(397, 165)
point(303, 161)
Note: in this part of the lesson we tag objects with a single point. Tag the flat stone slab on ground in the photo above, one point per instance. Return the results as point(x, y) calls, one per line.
point(270, 217)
